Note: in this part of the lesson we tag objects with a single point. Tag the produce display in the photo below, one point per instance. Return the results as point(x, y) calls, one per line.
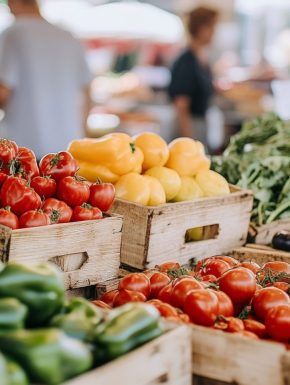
point(47, 340)
point(258, 158)
point(221, 292)
point(145, 170)
point(33, 195)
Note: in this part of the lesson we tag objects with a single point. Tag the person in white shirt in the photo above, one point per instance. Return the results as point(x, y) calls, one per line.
point(44, 82)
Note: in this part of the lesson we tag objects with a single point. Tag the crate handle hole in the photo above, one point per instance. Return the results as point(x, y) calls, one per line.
point(71, 262)
point(197, 234)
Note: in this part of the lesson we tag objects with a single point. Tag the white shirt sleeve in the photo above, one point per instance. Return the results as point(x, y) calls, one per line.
point(8, 60)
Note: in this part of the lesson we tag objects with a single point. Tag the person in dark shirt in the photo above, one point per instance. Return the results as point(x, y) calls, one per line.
point(191, 86)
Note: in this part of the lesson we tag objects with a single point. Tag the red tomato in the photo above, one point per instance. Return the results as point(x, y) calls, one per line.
point(258, 287)
point(209, 278)
point(184, 318)
point(225, 305)
point(239, 284)
point(282, 286)
point(86, 212)
point(73, 190)
point(215, 267)
point(255, 327)
point(16, 194)
point(58, 166)
point(45, 186)
point(34, 218)
point(253, 266)
point(101, 304)
point(181, 288)
point(150, 272)
point(125, 296)
point(157, 282)
point(8, 150)
point(109, 297)
point(246, 333)
point(164, 267)
point(229, 324)
point(136, 282)
point(266, 299)
point(102, 195)
point(229, 260)
point(58, 211)
point(165, 293)
point(8, 219)
point(165, 309)
point(3, 177)
point(26, 163)
point(202, 307)
point(278, 266)
point(278, 323)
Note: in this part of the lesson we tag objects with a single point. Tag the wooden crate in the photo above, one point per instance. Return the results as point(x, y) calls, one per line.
point(260, 254)
point(87, 252)
point(263, 235)
point(152, 235)
point(165, 360)
point(219, 356)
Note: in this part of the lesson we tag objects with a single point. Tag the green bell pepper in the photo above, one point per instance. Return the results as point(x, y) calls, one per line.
point(12, 314)
point(127, 328)
point(48, 356)
point(79, 319)
point(16, 375)
point(39, 287)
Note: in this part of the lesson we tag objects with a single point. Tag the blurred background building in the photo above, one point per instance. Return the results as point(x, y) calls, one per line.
point(131, 45)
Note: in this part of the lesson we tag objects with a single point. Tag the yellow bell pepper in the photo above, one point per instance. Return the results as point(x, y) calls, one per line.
point(169, 180)
point(134, 188)
point(186, 156)
point(112, 155)
point(189, 190)
point(212, 183)
point(157, 193)
point(92, 172)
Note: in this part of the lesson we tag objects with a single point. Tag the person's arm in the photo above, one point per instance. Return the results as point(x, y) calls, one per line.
point(182, 104)
point(5, 93)
point(86, 107)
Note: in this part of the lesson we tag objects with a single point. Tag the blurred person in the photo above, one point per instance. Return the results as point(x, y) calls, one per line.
point(191, 87)
point(44, 82)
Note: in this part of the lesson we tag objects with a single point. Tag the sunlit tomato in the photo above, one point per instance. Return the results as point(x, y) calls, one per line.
point(215, 267)
point(102, 195)
point(74, 191)
point(8, 219)
point(86, 212)
point(16, 194)
point(125, 296)
point(136, 282)
point(58, 166)
point(279, 266)
point(184, 318)
point(248, 334)
point(8, 150)
point(229, 324)
point(181, 288)
point(282, 286)
point(225, 305)
point(165, 293)
point(202, 307)
point(58, 211)
point(164, 267)
point(278, 323)
point(255, 327)
point(150, 272)
point(266, 299)
point(34, 218)
point(165, 309)
point(101, 304)
point(209, 278)
point(253, 266)
point(158, 281)
point(109, 297)
point(45, 186)
point(239, 284)
point(229, 260)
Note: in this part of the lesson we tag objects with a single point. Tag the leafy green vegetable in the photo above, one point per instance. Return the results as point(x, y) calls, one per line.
point(258, 158)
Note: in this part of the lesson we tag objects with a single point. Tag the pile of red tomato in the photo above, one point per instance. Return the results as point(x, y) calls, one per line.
point(220, 293)
point(35, 195)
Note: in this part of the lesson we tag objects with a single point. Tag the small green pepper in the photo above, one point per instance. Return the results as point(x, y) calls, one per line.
point(12, 314)
point(79, 319)
point(48, 356)
point(127, 328)
point(16, 375)
point(39, 287)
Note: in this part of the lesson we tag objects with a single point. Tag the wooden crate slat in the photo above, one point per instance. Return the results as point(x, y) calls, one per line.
point(166, 360)
point(260, 254)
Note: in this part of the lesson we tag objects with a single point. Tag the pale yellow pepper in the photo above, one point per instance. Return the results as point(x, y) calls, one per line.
point(134, 188)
